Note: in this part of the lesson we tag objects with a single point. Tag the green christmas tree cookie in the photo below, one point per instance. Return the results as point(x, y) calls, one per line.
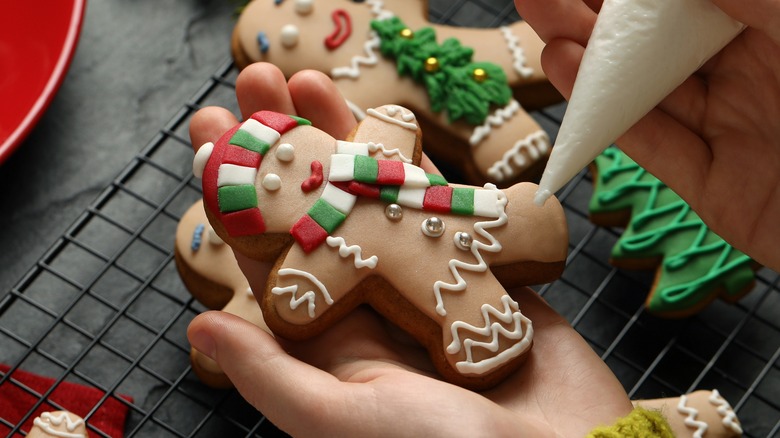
point(694, 265)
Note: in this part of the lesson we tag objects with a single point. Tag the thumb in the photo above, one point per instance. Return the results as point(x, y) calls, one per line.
point(289, 392)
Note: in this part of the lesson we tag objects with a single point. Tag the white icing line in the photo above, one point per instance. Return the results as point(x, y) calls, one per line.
point(476, 246)
point(389, 119)
point(353, 70)
point(517, 53)
point(496, 119)
point(373, 147)
point(536, 144)
point(356, 110)
point(48, 419)
point(510, 314)
point(307, 296)
point(724, 409)
point(354, 250)
point(377, 8)
point(690, 419)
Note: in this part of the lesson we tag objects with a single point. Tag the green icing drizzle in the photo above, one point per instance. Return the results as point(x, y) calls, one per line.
point(695, 261)
point(452, 86)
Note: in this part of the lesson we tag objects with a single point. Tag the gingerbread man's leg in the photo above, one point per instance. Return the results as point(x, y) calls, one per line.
point(210, 272)
point(698, 414)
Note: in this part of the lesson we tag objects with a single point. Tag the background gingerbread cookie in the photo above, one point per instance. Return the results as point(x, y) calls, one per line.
point(468, 86)
point(698, 414)
point(58, 424)
point(210, 272)
point(351, 222)
point(693, 265)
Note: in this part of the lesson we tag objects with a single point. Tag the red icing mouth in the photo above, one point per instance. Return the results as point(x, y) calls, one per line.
point(342, 31)
point(315, 180)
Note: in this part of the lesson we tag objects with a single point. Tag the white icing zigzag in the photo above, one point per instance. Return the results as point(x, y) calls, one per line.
point(353, 71)
point(49, 419)
point(690, 419)
point(307, 296)
point(354, 250)
point(373, 147)
point(509, 315)
point(536, 144)
point(406, 116)
point(517, 53)
point(498, 118)
point(476, 248)
point(724, 409)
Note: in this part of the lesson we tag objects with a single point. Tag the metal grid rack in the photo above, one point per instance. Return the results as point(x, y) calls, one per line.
point(104, 306)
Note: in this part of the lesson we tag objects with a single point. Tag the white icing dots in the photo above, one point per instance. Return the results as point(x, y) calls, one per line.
point(201, 158)
point(289, 36)
point(285, 152)
point(272, 182)
point(304, 7)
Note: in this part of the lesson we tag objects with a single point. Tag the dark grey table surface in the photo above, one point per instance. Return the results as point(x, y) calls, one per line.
point(135, 64)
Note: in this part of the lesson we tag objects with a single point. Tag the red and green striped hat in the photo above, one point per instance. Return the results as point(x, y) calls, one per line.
point(229, 174)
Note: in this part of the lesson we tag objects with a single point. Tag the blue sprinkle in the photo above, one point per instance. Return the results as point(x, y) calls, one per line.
point(262, 40)
point(197, 237)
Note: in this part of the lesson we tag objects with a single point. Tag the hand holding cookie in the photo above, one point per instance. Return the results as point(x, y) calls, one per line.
point(716, 139)
point(361, 373)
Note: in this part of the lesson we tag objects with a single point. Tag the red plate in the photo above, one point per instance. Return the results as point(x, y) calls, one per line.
point(37, 40)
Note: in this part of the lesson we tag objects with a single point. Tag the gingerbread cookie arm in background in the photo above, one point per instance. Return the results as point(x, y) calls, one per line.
point(377, 230)
point(210, 272)
point(468, 95)
point(58, 424)
point(693, 265)
point(698, 414)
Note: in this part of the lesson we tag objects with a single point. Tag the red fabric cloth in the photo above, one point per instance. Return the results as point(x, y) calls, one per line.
point(16, 402)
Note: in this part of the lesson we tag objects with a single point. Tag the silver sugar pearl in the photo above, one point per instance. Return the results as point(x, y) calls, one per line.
point(463, 240)
point(433, 227)
point(394, 212)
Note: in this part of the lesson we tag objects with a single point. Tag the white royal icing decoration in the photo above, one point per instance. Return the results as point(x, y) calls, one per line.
point(272, 182)
point(49, 419)
point(535, 144)
point(498, 118)
point(725, 411)
point(285, 152)
point(373, 147)
point(290, 35)
point(353, 250)
point(304, 7)
point(369, 48)
point(690, 420)
point(307, 296)
point(509, 315)
point(476, 248)
point(407, 117)
point(517, 53)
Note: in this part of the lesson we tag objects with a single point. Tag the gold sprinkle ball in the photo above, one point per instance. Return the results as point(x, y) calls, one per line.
point(406, 33)
point(479, 74)
point(432, 65)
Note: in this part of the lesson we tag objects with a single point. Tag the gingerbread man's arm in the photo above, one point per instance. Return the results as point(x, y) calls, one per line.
point(392, 133)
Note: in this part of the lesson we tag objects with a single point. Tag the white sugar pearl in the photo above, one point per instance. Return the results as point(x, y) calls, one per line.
point(285, 152)
point(272, 182)
point(290, 35)
point(304, 7)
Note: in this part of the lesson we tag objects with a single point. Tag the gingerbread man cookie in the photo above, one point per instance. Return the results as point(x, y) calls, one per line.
point(353, 222)
point(698, 414)
point(210, 272)
point(693, 265)
point(58, 424)
point(468, 86)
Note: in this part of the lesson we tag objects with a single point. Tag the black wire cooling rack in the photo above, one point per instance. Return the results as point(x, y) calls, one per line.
point(104, 306)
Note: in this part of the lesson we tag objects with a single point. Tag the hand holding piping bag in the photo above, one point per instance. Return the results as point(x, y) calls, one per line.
point(715, 139)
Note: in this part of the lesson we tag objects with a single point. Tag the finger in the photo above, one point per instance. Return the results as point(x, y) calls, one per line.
point(262, 86)
point(208, 125)
point(317, 99)
point(293, 395)
point(551, 19)
point(763, 15)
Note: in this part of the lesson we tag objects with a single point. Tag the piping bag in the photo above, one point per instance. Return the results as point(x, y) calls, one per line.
point(638, 53)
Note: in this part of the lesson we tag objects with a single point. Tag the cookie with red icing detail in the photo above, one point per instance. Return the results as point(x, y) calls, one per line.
point(366, 225)
point(470, 87)
point(209, 270)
